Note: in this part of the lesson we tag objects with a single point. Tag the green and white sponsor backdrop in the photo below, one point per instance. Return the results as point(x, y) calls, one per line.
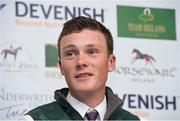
point(146, 40)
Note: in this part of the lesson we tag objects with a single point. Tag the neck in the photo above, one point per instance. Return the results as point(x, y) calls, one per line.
point(91, 99)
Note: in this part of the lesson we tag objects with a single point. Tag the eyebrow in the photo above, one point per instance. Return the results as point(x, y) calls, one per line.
point(93, 45)
point(89, 45)
point(69, 46)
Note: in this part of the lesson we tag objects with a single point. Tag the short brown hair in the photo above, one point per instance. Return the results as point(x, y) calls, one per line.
point(78, 24)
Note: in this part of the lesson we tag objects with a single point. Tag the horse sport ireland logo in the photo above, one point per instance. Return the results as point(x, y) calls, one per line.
point(10, 51)
point(142, 56)
point(15, 58)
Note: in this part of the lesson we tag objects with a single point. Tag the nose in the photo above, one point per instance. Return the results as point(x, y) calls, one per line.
point(82, 61)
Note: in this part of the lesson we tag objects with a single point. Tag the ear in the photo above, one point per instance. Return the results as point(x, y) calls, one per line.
point(111, 63)
point(60, 66)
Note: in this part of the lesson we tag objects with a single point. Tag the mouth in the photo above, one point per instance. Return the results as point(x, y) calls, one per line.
point(83, 75)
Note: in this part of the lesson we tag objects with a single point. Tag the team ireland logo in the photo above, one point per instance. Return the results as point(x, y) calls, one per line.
point(152, 23)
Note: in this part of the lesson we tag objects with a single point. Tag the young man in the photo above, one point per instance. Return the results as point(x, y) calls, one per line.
point(85, 49)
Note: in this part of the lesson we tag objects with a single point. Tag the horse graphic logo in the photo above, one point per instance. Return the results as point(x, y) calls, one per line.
point(10, 51)
point(138, 55)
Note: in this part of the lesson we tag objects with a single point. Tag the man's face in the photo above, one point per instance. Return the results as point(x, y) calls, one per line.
point(85, 62)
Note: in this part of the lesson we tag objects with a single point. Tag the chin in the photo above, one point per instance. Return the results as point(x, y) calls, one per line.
point(85, 89)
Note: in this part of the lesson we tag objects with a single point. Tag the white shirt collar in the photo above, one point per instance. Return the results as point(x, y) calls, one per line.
point(82, 108)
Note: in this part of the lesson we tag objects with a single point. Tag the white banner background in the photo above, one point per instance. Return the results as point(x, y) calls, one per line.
point(27, 82)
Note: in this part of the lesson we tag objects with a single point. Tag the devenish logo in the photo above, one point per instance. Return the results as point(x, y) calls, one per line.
point(139, 55)
point(150, 102)
point(56, 12)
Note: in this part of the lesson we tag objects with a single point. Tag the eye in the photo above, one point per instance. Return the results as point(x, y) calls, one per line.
point(70, 54)
point(93, 51)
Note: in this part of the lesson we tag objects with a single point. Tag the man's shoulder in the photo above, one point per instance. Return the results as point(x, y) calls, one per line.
point(46, 111)
point(45, 107)
point(124, 114)
point(54, 111)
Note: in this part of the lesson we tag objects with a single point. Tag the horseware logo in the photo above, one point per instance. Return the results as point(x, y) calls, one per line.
point(146, 15)
point(10, 51)
point(138, 55)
